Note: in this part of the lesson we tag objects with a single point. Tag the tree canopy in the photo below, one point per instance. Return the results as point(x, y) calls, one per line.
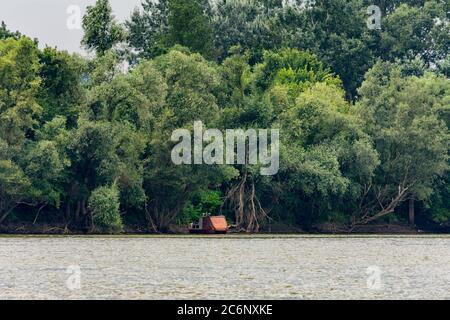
point(363, 116)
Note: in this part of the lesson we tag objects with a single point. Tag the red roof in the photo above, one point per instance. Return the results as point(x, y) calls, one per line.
point(218, 223)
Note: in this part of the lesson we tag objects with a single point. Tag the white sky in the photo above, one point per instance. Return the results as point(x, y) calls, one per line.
point(47, 19)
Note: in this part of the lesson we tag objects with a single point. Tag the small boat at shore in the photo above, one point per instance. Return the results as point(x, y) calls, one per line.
point(209, 225)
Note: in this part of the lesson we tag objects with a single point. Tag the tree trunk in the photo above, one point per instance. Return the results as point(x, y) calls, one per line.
point(3, 217)
point(6, 214)
point(411, 211)
point(68, 212)
point(77, 211)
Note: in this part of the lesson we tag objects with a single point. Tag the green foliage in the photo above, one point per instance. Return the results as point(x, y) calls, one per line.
point(363, 114)
point(5, 33)
point(163, 24)
point(297, 70)
point(148, 28)
point(104, 204)
point(210, 201)
point(45, 167)
point(250, 24)
point(205, 202)
point(326, 157)
point(192, 83)
point(439, 206)
point(19, 85)
point(101, 31)
point(402, 114)
point(131, 98)
point(337, 33)
point(61, 91)
point(189, 26)
point(411, 31)
point(13, 187)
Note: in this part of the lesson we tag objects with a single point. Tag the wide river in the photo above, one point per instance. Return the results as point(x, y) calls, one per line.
point(229, 267)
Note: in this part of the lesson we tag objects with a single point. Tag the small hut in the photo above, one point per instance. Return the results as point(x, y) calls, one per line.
point(210, 225)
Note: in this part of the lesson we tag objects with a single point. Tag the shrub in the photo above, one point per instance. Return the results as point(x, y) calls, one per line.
point(104, 204)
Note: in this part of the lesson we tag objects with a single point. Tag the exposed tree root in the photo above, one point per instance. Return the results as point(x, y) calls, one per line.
point(242, 199)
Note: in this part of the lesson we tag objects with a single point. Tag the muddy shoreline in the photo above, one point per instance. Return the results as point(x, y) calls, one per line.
point(325, 229)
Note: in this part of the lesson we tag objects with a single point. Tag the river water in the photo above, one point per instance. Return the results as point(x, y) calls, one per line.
point(229, 267)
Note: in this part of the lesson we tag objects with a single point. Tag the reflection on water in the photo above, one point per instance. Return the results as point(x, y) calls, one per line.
point(282, 267)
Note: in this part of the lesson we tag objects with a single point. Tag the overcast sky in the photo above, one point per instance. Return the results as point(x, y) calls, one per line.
point(48, 20)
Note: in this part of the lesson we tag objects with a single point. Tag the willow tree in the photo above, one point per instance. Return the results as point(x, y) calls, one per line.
point(261, 98)
point(19, 109)
point(403, 117)
point(192, 86)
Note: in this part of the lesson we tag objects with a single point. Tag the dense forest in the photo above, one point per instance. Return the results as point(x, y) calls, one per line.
point(363, 114)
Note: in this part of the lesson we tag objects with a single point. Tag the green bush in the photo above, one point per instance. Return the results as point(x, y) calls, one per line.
point(104, 205)
point(204, 202)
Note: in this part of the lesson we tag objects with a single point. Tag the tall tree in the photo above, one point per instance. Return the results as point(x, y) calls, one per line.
point(416, 32)
point(5, 33)
point(250, 24)
point(61, 92)
point(101, 31)
point(163, 24)
point(192, 85)
point(337, 32)
point(19, 86)
point(148, 28)
point(189, 25)
point(402, 114)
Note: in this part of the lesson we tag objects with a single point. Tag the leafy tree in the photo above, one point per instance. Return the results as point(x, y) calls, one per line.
point(5, 33)
point(163, 24)
point(204, 202)
point(189, 25)
point(61, 93)
point(130, 149)
point(337, 32)
point(250, 24)
point(19, 85)
point(19, 108)
point(410, 32)
point(104, 205)
point(132, 98)
point(294, 69)
point(44, 166)
point(326, 156)
point(101, 31)
point(262, 99)
point(13, 184)
point(147, 30)
point(94, 163)
point(402, 116)
point(192, 83)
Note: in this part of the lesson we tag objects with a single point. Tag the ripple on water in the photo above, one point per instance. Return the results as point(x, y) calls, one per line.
point(263, 267)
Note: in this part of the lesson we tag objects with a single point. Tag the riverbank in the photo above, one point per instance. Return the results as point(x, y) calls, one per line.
point(325, 229)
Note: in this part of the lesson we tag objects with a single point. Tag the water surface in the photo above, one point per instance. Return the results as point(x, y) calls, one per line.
point(230, 267)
